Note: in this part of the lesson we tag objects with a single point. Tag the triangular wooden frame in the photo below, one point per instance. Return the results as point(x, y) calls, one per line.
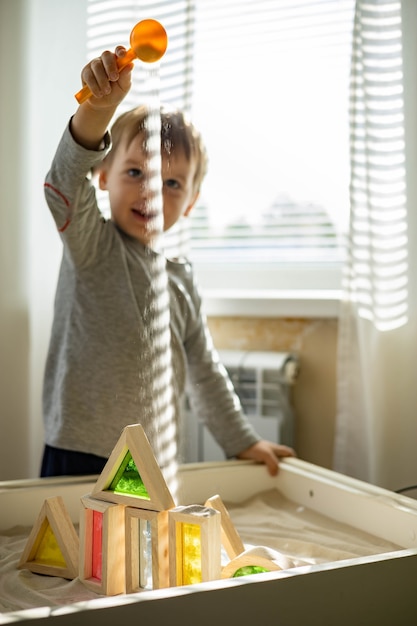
point(231, 540)
point(53, 514)
point(133, 440)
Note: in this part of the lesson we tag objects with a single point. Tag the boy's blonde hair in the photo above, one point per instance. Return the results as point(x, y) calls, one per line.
point(177, 133)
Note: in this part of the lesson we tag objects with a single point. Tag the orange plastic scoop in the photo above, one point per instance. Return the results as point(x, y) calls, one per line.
point(148, 42)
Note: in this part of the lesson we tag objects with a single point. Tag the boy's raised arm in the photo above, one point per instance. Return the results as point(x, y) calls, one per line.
point(109, 86)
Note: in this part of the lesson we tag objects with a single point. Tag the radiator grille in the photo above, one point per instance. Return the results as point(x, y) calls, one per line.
point(262, 381)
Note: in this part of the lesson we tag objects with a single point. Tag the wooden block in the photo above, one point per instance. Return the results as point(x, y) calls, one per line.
point(102, 546)
point(231, 540)
point(132, 475)
point(194, 544)
point(52, 547)
point(253, 561)
point(147, 565)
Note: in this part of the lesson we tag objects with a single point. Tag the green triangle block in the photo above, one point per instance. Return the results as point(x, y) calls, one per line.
point(127, 480)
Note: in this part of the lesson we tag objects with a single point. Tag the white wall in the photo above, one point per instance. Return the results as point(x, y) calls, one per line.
point(14, 334)
point(42, 51)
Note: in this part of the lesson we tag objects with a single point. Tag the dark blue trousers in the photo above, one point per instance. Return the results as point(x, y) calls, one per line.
point(57, 462)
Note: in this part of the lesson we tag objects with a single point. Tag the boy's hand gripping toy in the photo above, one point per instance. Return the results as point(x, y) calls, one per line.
point(148, 42)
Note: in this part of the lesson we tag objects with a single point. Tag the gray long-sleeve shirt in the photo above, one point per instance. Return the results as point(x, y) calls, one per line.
point(101, 370)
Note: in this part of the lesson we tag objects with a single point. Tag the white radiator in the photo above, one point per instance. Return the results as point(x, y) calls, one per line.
point(263, 381)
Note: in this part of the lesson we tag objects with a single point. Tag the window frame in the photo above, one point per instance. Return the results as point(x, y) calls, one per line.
point(270, 290)
point(306, 285)
point(259, 287)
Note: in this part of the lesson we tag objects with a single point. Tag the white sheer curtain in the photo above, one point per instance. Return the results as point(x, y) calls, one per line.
point(376, 424)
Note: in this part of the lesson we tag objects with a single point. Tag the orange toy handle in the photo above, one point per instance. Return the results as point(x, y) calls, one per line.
point(148, 42)
point(85, 92)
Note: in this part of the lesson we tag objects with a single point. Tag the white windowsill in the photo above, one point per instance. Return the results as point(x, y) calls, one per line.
point(272, 303)
point(270, 289)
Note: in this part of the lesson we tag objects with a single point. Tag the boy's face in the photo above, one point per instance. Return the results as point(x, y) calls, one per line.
point(127, 183)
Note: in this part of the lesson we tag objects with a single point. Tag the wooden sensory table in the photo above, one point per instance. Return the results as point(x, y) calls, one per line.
point(379, 589)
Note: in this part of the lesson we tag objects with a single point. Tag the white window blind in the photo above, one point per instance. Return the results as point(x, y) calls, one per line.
point(271, 96)
point(376, 277)
point(109, 24)
point(267, 84)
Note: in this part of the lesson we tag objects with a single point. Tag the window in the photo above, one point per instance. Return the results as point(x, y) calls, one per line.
point(267, 84)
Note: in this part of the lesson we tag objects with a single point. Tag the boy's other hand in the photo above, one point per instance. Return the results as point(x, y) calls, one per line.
point(267, 452)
